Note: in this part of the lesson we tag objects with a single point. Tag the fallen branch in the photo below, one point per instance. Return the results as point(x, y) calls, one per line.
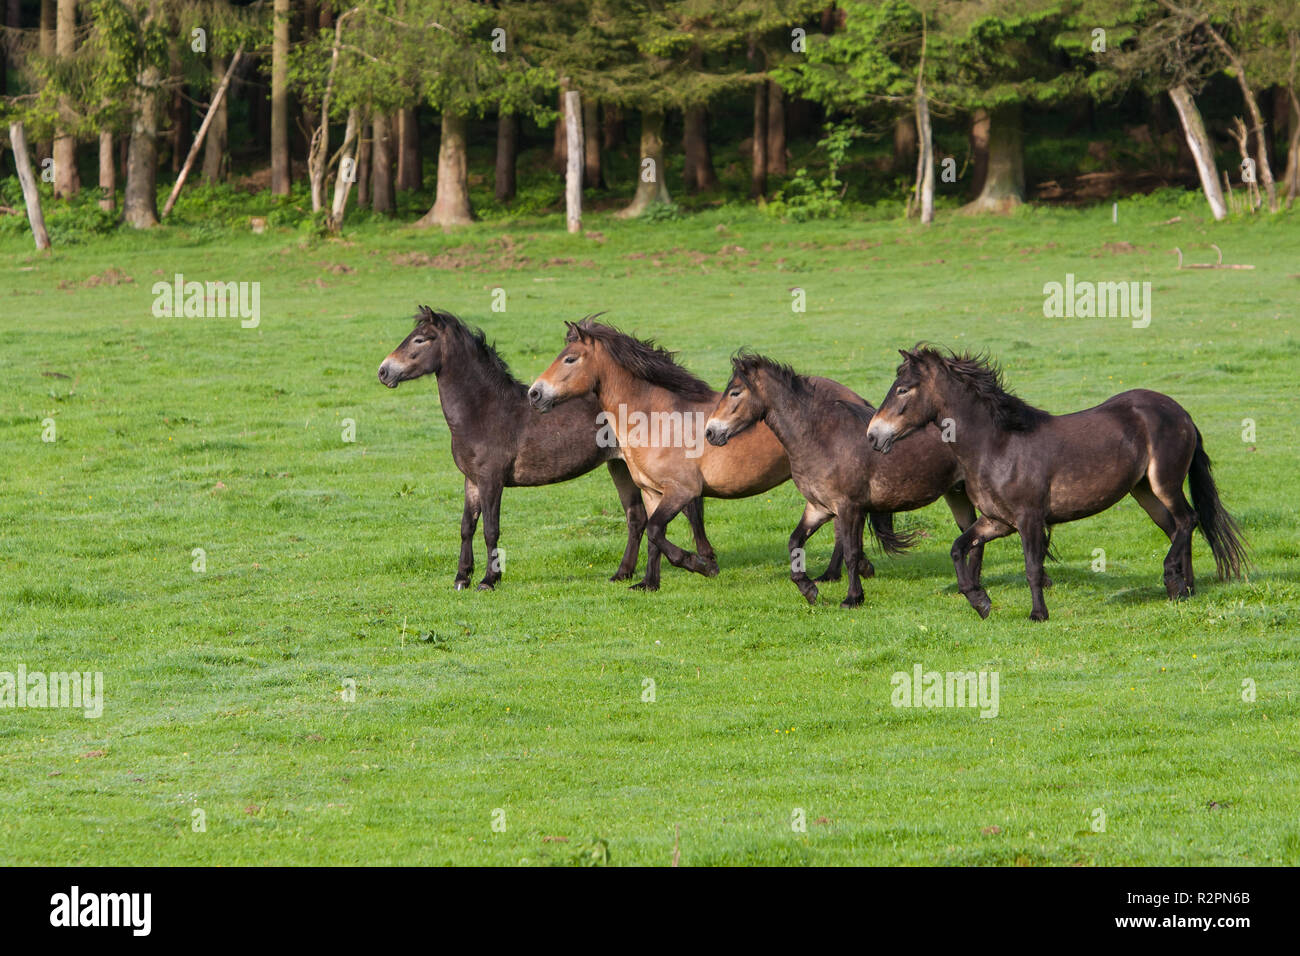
point(1210, 265)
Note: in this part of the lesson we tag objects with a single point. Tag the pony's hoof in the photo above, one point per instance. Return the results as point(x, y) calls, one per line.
point(1047, 582)
point(460, 584)
point(979, 600)
point(710, 568)
point(869, 571)
point(851, 602)
point(809, 591)
point(1038, 615)
point(486, 586)
point(644, 585)
point(621, 575)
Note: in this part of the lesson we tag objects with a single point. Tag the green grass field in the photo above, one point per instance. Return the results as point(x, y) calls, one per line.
point(329, 562)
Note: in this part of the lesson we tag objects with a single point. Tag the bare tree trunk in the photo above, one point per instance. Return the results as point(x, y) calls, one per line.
point(1004, 179)
point(347, 171)
point(905, 142)
point(31, 195)
point(651, 185)
point(574, 151)
point(758, 179)
point(979, 148)
point(363, 165)
point(179, 109)
point(107, 173)
point(409, 174)
point(507, 146)
point(925, 146)
point(592, 175)
point(215, 164)
point(67, 182)
point(1201, 147)
point(1256, 117)
point(381, 166)
point(776, 165)
point(217, 99)
point(559, 157)
point(281, 171)
point(612, 127)
point(1292, 178)
point(699, 173)
point(140, 201)
point(451, 201)
point(45, 44)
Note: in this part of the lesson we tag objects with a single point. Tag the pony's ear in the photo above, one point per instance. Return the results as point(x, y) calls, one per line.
point(570, 331)
point(426, 316)
point(908, 357)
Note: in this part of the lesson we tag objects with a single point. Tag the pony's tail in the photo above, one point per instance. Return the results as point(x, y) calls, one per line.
point(890, 541)
point(1221, 530)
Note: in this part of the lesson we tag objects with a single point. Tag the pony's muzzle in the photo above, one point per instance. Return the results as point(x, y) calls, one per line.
point(881, 437)
point(388, 374)
point(541, 397)
point(715, 434)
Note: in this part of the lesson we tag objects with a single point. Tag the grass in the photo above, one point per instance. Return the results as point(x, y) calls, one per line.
point(330, 562)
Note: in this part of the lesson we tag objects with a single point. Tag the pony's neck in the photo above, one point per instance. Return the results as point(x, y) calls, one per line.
point(973, 424)
point(616, 386)
point(465, 385)
point(783, 413)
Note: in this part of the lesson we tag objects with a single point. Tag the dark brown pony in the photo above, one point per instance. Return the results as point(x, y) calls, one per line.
point(655, 409)
point(498, 440)
point(1027, 470)
point(833, 464)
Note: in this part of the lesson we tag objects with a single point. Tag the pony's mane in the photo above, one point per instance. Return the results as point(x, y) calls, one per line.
point(979, 375)
point(642, 358)
point(745, 364)
point(478, 347)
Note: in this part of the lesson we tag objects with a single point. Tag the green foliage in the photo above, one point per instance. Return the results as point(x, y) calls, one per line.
point(804, 198)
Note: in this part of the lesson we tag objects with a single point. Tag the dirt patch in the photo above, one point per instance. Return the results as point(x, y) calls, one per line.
point(111, 276)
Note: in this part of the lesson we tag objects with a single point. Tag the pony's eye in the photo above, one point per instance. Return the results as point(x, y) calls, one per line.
point(420, 341)
point(903, 390)
point(735, 393)
point(570, 359)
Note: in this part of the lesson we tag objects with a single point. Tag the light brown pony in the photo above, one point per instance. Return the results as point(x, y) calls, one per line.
point(656, 410)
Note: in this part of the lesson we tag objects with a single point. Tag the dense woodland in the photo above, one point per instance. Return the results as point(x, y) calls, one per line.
point(798, 105)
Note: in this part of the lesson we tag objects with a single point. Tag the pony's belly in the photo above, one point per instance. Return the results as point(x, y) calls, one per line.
point(1079, 499)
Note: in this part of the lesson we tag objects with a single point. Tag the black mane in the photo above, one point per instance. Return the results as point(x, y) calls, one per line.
point(479, 348)
point(744, 364)
point(642, 358)
point(982, 378)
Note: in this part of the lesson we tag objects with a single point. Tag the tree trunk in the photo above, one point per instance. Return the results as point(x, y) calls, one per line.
point(699, 173)
point(107, 173)
point(925, 153)
point(905, 141)
point(651, 184)
point(979, 148)
point(758, 178)
point(67, 182)
point(31, 195)
point(347, 170)
point(592, 175)
point(1265, 170)
point(45, 44)
point(409, 174)
point(612, 128)
point(363, 161)
point(215, 165)
point(776, 165)
point(574, 150)
point(140, 201)
point(381, 166)
point(281, 172)
point(178, 109)
point(1201, 147)
point(193, 153)
point(559, 157)
point(1291, 181)
point(1004, 178)
point(451, 201)
point(507, 146)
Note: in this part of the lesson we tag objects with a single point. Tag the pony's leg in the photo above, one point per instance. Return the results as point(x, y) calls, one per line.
point(652, 556)
point(633, 507)
point(1178, 562)
point(1144, 496)
point(491, 533)
point(963, 512)
point(813, 518)
point(694, 511)
point(674, 499)
point(1033, 539)
point(985, 529)
point(833, 570)
point(468, 525)
point(853, 557)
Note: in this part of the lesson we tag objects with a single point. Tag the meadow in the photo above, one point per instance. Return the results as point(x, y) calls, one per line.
point(323, 696)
